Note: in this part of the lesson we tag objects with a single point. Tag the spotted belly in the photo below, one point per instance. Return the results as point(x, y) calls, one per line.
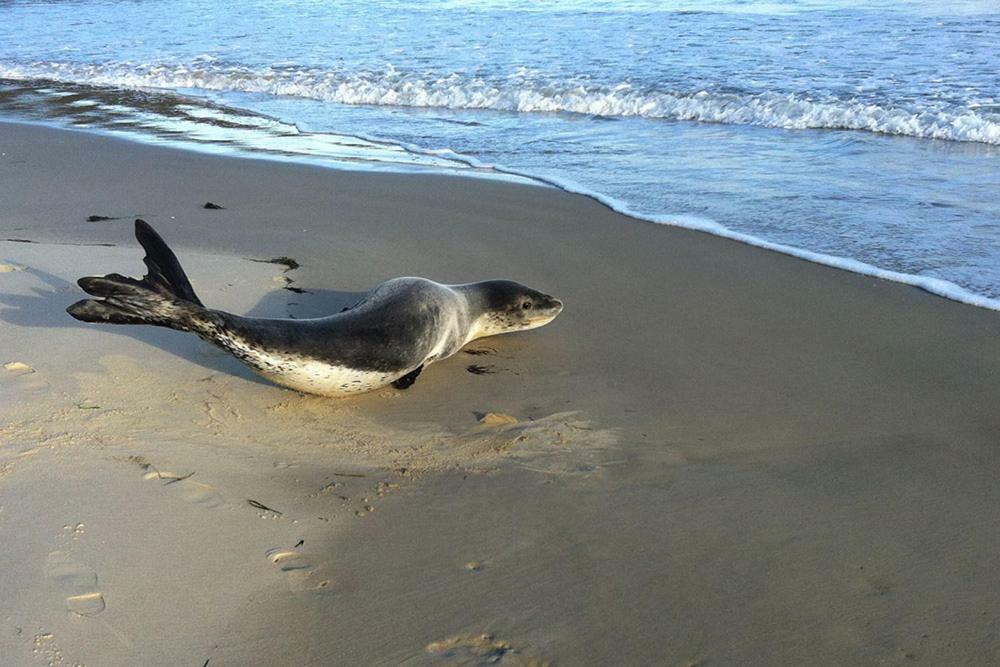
point(316, 377)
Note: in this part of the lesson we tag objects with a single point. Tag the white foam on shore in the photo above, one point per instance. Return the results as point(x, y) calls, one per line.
point(526, 92)
point(943, 288)
point(937, 286)
point(451, 162)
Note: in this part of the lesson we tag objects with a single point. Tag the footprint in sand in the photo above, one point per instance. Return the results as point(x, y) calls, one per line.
point(18, 368)
point(45, 647)
point(76, 581)
point(298, 569)
point(22, 377)
point(475, 650)
point(287, 560)
point(194, 492)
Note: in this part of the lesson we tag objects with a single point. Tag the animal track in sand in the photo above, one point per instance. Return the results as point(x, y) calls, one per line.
point(77, 582)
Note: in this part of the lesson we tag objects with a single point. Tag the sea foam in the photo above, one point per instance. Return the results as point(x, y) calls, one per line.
point(267, 135)
point(525, 92)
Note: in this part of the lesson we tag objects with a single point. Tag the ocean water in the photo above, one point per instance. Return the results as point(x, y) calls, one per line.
point(860, 134)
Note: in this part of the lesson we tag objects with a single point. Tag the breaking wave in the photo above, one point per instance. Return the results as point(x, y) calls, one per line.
point(526, 92)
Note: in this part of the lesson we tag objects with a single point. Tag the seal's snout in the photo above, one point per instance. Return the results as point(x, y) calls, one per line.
point(546, 309)
point(551, 303)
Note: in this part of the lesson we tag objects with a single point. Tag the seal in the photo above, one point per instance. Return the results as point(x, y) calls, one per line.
point(400, 327)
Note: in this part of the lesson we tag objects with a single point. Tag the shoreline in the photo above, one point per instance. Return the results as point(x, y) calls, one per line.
point(723, 454)
point(936, 286)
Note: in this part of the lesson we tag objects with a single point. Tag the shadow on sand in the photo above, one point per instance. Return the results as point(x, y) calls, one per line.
point(45, 308)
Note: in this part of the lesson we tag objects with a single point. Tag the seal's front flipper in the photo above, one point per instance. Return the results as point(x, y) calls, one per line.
point(407, 380)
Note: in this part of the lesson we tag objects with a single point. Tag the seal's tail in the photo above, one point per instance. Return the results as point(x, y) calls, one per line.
point(164, 297)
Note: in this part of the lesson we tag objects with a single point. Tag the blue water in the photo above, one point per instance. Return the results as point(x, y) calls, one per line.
point(868, 131)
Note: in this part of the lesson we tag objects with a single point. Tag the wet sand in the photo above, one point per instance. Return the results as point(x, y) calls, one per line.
point(723, 455)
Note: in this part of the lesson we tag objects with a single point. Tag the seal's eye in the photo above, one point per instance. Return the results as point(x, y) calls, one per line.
point(526, 305)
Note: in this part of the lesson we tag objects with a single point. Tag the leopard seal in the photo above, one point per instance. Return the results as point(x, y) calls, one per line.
point(400, 327)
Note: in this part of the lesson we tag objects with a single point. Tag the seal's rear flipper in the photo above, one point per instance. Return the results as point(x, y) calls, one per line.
point(407, 380)
point(165, 272)
point(164, 296)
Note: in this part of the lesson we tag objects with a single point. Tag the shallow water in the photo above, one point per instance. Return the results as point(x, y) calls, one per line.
point(866, 131)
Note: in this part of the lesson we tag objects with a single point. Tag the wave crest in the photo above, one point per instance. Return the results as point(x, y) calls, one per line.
point(521, 92)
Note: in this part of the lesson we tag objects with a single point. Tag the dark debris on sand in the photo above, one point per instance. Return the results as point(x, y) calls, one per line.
point(287, 262)
point(480, 351)
point(261, 506)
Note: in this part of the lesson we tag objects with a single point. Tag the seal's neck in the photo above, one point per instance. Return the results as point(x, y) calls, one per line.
point(481, 323)
point(486, 325)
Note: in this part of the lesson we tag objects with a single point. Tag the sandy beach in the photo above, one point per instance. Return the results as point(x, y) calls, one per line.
point(722, 455)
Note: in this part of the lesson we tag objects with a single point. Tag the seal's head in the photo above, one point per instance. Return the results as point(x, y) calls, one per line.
point(507, 306)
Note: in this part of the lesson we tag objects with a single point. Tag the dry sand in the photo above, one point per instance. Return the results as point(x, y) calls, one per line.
point(721, 455)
